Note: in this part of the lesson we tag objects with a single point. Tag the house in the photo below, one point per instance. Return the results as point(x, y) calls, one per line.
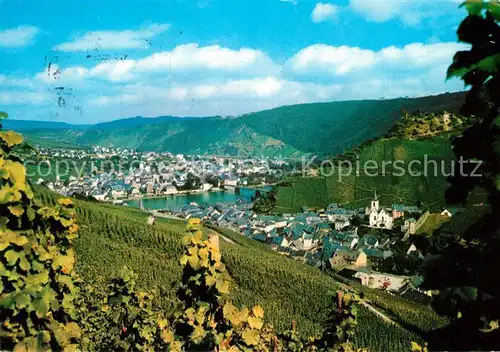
point(412, 209)
point(369, 241)
point(398, 211)
point(170, 189)
point(374, 254)
point(343, 256)
point(449, 212)
point(117, 193)
point(410, 226)
point(134, 192)
point(280, 241)
point(413, 250)
point(260, 237)
point(100, 196)
point(151, 220)
point(341, 223)
point(206, 187)
point(277, 225)
point(313, 259)
point(150, 189)
point(304, 243)
point(385, 242)
point(446, 212)
point(382, 281)
point(348, 239)
point(332, 206)
point(231, 182)
point(379, 217)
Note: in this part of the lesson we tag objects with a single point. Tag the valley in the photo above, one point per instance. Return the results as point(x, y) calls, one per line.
point(289, 131)
point(305, 238)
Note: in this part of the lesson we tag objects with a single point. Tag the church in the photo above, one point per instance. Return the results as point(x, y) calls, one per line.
point(379, 217)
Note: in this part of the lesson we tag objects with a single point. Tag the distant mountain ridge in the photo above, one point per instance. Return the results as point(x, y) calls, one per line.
point(25, 125)
point(139, 121)
point(288, 131)
point(127, 122)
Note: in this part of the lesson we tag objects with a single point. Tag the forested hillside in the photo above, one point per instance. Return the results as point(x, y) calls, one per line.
point(319, 128)
point(410, 165)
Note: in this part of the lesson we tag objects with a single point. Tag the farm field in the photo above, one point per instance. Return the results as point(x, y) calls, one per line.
point(432, 223)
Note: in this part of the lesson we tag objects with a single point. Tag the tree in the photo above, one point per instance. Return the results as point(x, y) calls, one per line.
point(3, 115)
point(466, 274)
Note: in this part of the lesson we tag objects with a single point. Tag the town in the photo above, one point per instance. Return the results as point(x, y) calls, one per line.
point(374, 245)
point(371, 245)
point(108, 174)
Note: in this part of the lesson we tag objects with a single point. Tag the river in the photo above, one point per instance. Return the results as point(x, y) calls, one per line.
point(175, 201)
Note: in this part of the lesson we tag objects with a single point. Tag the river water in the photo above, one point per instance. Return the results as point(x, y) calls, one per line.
point(175, 201)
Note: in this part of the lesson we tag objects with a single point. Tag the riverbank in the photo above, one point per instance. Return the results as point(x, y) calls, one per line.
point(179, 193)
point(199, 191)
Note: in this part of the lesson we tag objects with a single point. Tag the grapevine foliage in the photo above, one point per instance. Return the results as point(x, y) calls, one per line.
point(37, 285)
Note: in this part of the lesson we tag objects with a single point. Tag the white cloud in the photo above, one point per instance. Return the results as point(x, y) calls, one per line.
point(324, 12)
point(230, 82)
point(19, 36)
point(229, 97)
point(409, 12)
point(334, 60)
point(337, 61)
point(114, 100)
point(189, 56)
point(23, 98)
point(119, 70)
point(418, 54)
point(127, 39)
point(183, 58)
point(378, 11)
point(6, 81)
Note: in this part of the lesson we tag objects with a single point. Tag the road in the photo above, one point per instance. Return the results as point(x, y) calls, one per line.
point(371, 308)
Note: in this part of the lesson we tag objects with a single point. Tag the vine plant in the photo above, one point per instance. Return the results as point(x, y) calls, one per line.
point(37, 280)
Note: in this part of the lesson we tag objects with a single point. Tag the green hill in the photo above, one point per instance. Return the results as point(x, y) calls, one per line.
point(320, 128)
point(113, 236)
point(423, 181)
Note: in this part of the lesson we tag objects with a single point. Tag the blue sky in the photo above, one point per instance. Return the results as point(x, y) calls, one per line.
point(95, 61)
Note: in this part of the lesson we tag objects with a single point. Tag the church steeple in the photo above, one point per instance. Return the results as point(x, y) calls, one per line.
point(375, 202)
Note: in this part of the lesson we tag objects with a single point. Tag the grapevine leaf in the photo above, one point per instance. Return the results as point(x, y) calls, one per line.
point(66, 262)
point(194, 262)
point(210, 280)
point(250, 337)
point(198, 334)
point(10, 237)
point(184, 260)
point(222, 286)
point(16, 210)
point(255, 323)
point(12, 256)
point(258, 311)
point(11, 138)
point(22, 301)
